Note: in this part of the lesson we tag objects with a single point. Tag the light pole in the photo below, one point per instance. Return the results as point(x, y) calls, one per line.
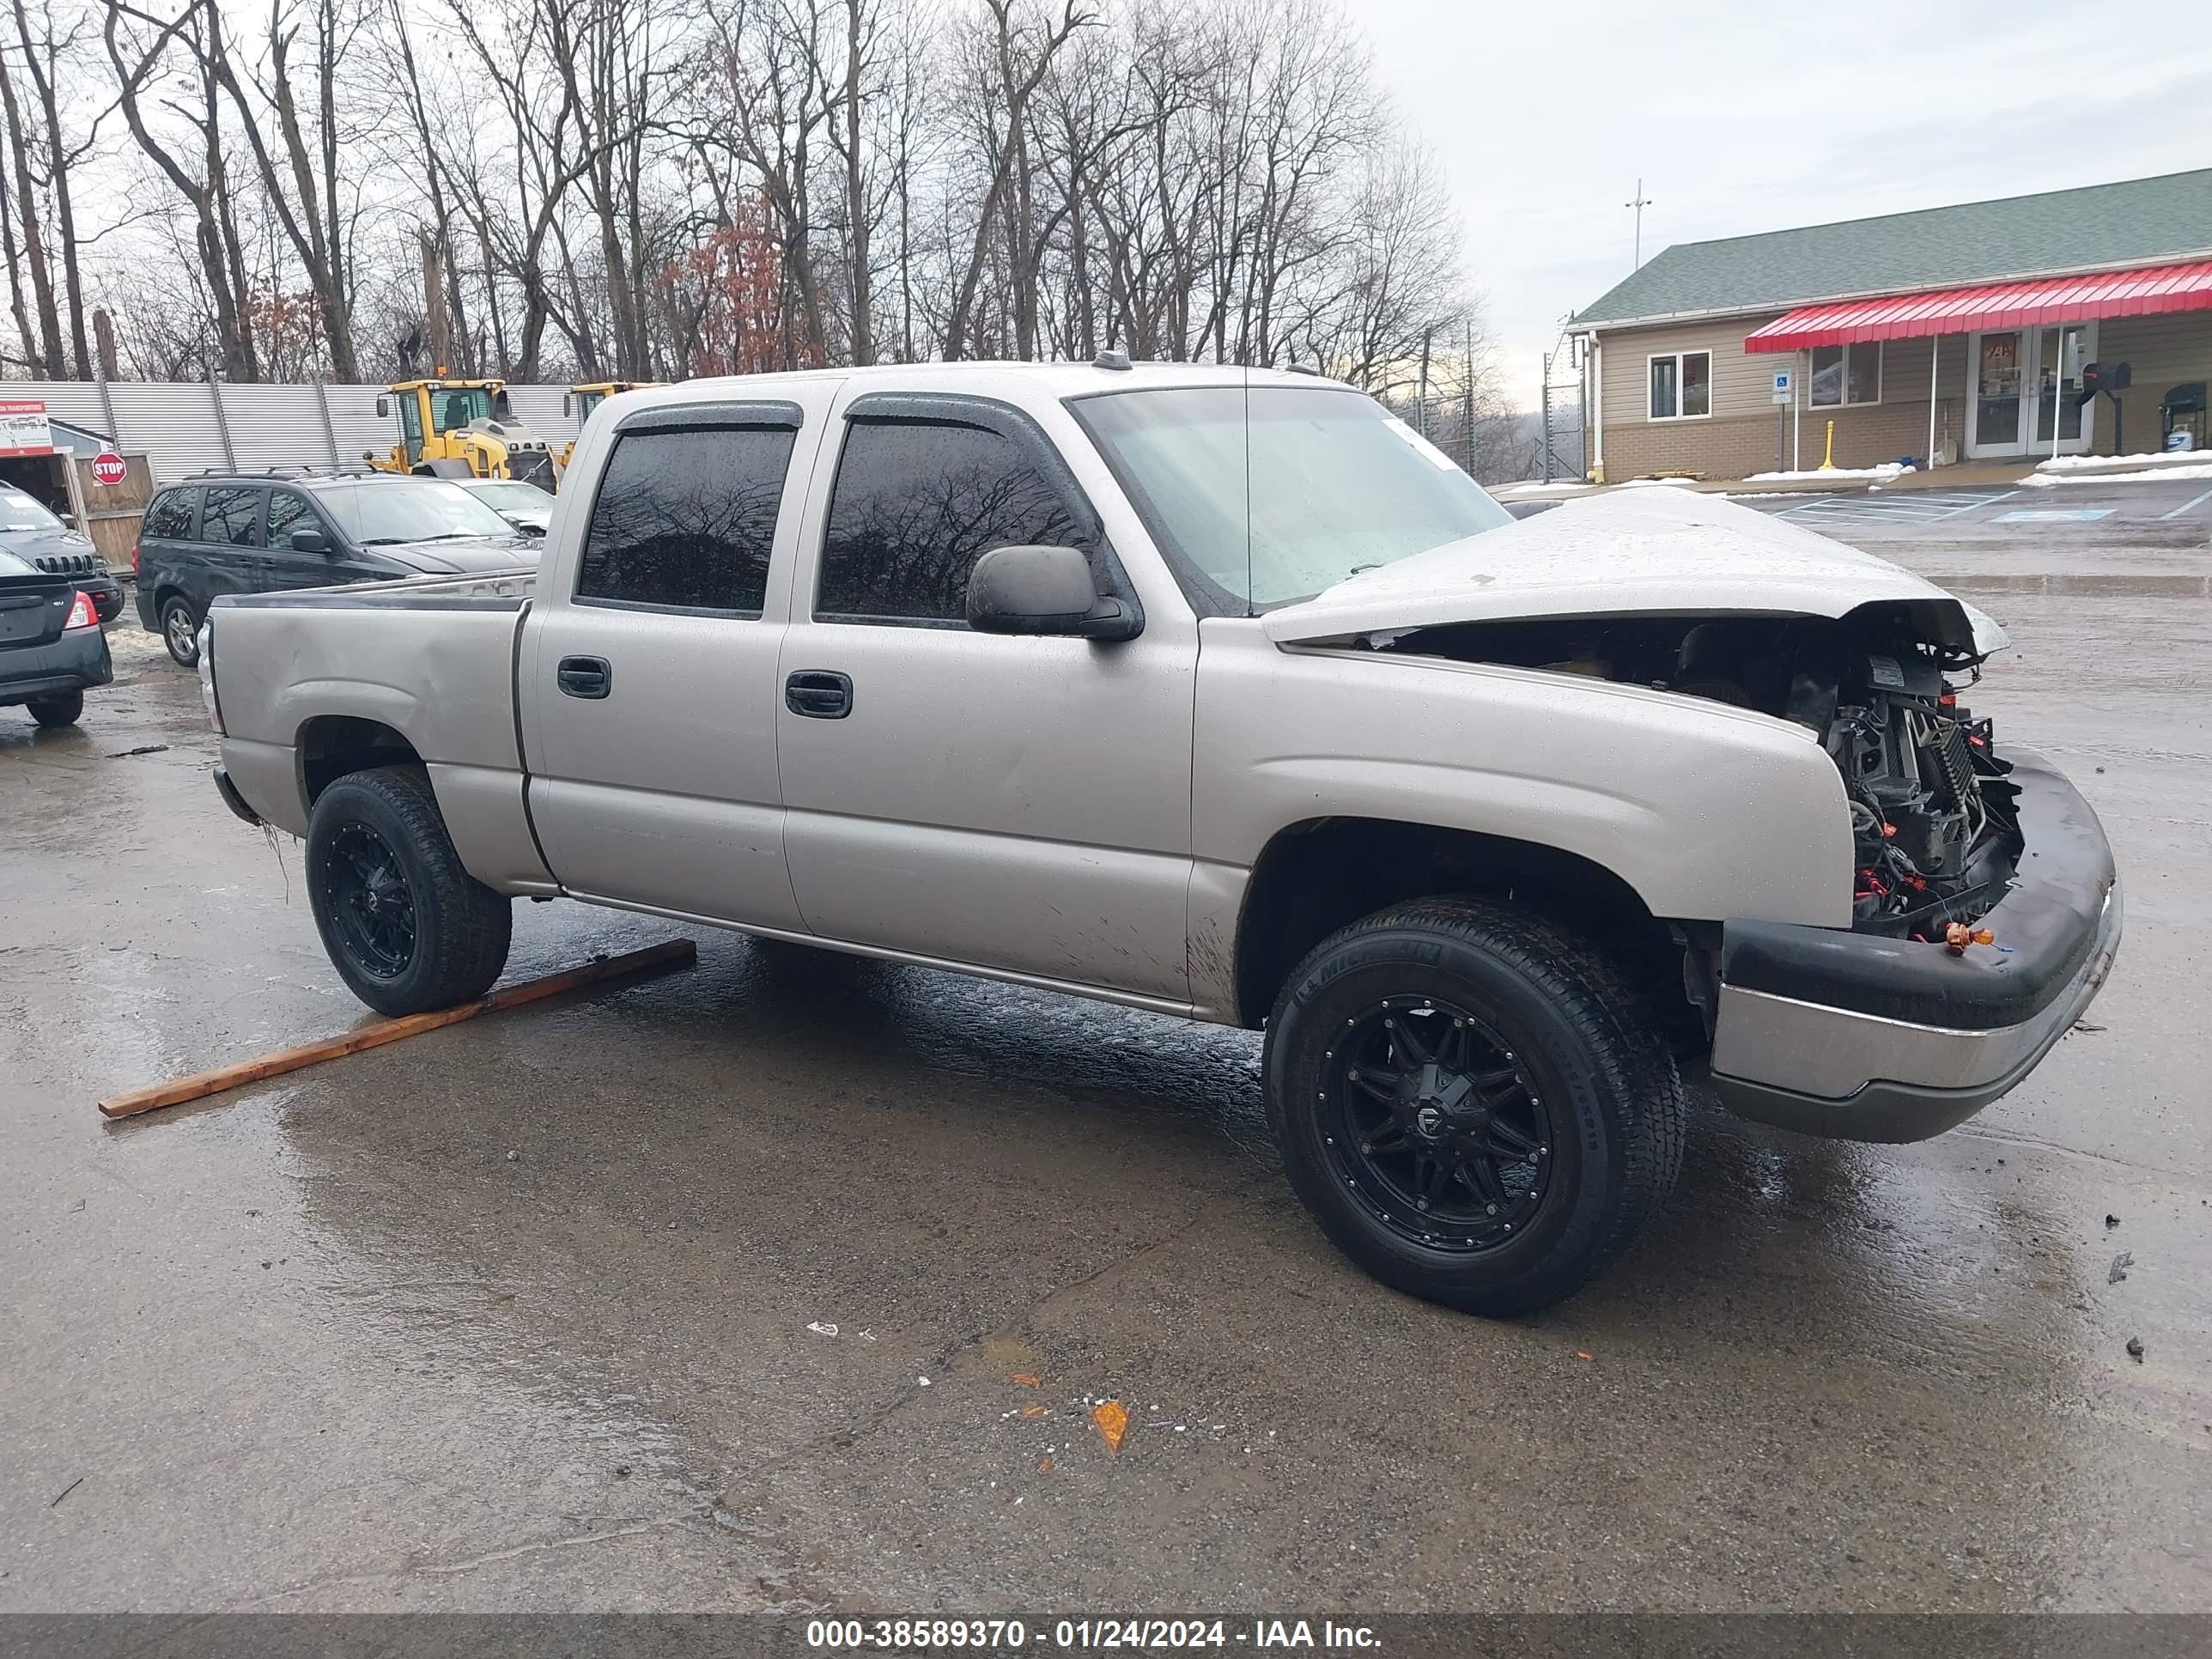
point(1641, 203)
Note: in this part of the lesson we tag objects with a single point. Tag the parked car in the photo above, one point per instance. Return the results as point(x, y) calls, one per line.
point(524, 506)
point(219, 534)
point(53, 650)
point(1223, 694)
point(35, 534)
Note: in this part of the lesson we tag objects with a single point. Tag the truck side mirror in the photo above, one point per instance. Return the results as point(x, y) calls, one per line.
point(308, 540)
point(1043, 589)
point(567, 404)
point(383, 407)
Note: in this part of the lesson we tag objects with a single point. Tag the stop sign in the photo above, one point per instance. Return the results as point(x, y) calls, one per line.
point(108, 469)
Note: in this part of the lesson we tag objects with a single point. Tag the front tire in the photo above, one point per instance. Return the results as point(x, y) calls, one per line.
point(407, 928)
point(62, 710)
point(1475, 1104)
point(180, 631)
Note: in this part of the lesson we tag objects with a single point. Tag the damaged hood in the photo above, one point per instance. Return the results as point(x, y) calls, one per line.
point(1630, 552)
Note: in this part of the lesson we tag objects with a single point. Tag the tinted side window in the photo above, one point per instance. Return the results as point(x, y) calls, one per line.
point(288, 511)
point(687, 518)
point(171, 515)
point(915, 505)
point(232, 515)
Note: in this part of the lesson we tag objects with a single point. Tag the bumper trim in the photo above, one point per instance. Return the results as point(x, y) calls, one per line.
point(233, 800)
point(1852, 1075)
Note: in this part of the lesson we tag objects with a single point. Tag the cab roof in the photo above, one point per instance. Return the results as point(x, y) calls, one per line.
point(1057, 379)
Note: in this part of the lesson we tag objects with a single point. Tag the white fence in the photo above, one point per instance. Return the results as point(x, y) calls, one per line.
point(189, 426)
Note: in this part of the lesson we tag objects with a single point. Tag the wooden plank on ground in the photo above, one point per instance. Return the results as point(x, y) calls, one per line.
point(674, 953)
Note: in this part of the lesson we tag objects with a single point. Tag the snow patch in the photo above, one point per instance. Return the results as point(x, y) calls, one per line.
point(1883, 473)
point(1556, 487)
point(2200, 468)
point(2161, 459)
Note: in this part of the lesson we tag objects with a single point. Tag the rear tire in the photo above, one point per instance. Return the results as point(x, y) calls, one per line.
point(180, 631)
point(62, 710)
point(407, 928)
point(1475, 1104)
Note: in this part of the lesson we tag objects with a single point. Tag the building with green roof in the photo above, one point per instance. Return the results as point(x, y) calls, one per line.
point(1979, 331)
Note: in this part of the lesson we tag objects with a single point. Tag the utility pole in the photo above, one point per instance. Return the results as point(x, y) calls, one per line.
point(1421, 397)
point(1467, 393)
point(1641, 203)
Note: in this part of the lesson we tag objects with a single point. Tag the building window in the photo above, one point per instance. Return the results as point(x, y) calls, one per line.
point(1682, 385)
point(1843, 376)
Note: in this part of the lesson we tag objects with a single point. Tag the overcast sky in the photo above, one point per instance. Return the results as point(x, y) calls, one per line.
point(1743, 117)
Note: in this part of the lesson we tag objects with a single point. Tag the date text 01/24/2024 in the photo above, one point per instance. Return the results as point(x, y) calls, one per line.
point(893, 1635)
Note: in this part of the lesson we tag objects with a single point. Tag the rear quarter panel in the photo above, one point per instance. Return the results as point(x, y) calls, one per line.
point(434, 660)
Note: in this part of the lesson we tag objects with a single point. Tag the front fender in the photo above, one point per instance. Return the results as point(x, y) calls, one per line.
point(1707, 812)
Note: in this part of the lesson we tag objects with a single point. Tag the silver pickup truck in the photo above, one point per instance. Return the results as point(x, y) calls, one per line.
point(1221, 694)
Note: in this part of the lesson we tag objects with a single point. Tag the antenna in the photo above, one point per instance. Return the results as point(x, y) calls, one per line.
point(1641, 203)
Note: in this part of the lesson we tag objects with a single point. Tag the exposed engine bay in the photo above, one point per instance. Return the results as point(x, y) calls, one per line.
point(1934, 837)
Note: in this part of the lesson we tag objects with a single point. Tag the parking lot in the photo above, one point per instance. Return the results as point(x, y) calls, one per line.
point(2183, 503)
point(718, 1291)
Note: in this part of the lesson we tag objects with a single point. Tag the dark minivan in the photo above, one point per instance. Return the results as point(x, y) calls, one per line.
point(252, 533)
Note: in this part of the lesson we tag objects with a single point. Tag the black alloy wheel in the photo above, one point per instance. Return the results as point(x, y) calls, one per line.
point(1435, 1126)
point(1475, 1102)
point(372, 907)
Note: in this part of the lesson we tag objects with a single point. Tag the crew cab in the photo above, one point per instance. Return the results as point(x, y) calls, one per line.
point(1220, 693)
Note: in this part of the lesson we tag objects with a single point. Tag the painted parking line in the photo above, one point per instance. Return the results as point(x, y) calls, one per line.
point(1916, 507)
point(2054, 515)
point(2185, 506)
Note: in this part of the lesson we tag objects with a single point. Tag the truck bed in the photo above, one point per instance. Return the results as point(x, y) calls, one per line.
point(424, 666)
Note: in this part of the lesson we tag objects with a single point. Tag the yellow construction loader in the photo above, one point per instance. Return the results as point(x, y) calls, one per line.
point(461, 429)
point(583, 399)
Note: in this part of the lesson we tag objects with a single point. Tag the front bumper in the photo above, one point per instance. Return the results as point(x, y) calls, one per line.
point(106, 596)
point(1859, 1037)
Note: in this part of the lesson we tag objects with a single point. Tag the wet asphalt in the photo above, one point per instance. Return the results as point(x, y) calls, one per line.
point(719, 1291)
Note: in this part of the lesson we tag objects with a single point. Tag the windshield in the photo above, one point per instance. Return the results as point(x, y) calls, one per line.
point(512, 497)
point(456, 406)
point(409, 510)
point(19, 511)
point(1336, 485)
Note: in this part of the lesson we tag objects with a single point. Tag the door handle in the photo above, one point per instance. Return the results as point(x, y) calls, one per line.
point(584, 676)
point(819, 694)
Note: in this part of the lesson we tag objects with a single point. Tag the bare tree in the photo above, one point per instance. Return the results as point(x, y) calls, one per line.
point(142, 49)
point(640, 188)
point(1015, 54)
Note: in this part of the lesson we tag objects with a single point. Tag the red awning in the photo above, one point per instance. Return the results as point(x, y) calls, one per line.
point(2001, 305)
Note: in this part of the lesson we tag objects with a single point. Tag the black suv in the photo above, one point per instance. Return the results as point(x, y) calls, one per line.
point(34, 535)
point(258, 532)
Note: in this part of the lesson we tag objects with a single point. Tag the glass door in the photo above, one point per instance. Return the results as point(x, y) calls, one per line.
point(2060, 354)
point(1996, 361)
point(2023, 380)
